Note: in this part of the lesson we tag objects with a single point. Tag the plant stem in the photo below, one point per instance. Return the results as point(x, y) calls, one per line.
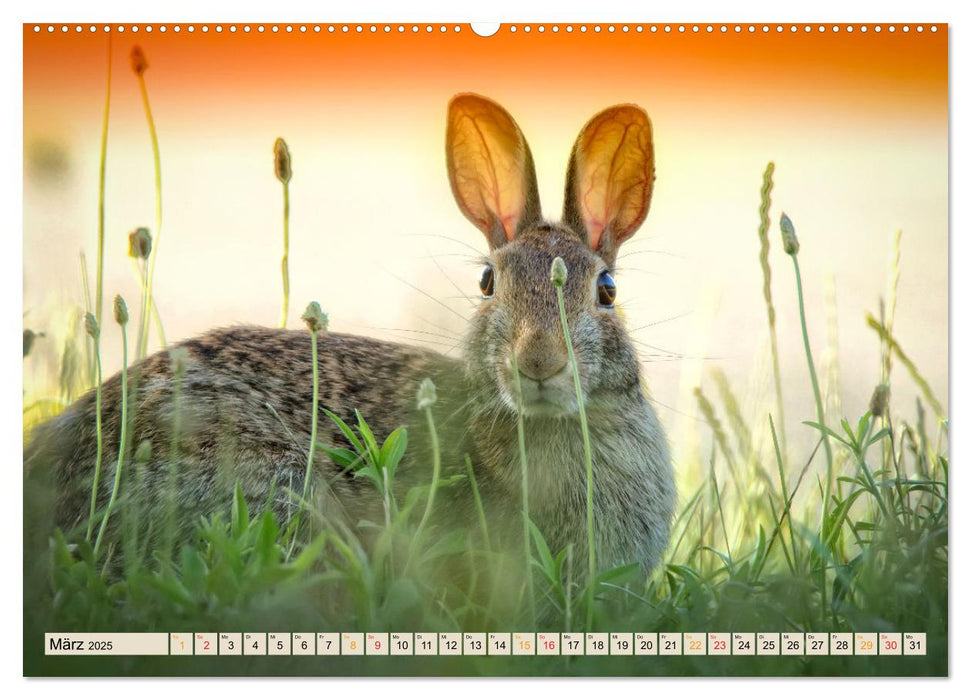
point(100, 436)
point(820, 414)
point(99, 294)
point(588, 461)
point(478, 503)
point(313, 420)
point(148, 307)
point(121, 440)
point(436, 473)
point(524, 471)
point(285, 263)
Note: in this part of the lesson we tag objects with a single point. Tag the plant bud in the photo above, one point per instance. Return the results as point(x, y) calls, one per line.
point(29, 338)
point(121, 311)
point(427, 395)
point(558, 272)
point(281, 161)
point(315, 319)
point(91, 325)
point(880, 400)
point(139, 243)
point(790, 243)
point(139, 63)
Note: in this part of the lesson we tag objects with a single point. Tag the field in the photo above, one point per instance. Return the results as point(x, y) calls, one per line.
point(850, 535)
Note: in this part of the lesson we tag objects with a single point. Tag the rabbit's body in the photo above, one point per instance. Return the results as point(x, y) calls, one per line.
point(244, 399)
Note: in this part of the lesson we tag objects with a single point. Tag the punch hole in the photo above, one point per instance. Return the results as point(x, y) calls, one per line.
point(485, 28)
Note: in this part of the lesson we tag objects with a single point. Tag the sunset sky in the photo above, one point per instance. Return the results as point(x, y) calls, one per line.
point(856, 123)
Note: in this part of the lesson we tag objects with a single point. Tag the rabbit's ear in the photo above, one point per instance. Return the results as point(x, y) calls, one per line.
point(490, 168)
point(610, 179)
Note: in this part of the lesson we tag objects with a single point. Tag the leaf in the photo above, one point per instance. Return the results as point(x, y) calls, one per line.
point(341, 456)
point(393, 450)
point(193, 571)
point(346, 430)
point(542, 549)
point(824, 429)
point(240, 520)
point(455, 542)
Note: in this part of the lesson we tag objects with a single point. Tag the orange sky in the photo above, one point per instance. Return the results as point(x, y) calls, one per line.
point(806, 67)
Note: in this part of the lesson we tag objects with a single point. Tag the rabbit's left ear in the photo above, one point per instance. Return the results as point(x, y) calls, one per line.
point(611, 178)
point(490, 168)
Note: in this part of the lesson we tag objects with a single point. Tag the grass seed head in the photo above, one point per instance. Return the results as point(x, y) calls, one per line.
point(91, 325)
point(880, 400)
point(789, 241)
point(315, 319)
point(139, 63)
point(29, 338)
point(140, 243)
point(121, 310)
point(281, 161)
point(427, 395)
point(558, 272)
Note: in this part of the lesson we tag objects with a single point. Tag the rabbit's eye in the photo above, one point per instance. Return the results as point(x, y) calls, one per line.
point(606, 290)
point(487, 281)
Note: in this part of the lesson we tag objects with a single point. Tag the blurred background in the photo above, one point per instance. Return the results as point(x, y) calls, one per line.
point(856, 124)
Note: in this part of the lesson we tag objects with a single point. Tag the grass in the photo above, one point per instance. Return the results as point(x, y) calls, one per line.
point(767, 538)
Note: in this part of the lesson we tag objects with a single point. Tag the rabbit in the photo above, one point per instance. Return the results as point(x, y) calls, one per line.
point(243, 397)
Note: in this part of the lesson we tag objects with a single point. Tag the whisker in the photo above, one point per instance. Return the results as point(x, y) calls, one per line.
point(422, 291)
point(448, 238)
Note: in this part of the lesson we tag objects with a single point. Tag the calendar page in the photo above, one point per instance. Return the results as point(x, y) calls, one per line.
point(524, 349)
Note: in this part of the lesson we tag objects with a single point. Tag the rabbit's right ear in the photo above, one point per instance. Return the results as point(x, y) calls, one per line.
point(490, 168)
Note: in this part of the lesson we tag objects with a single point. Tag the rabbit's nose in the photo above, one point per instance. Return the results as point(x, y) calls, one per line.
point(541, 355)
